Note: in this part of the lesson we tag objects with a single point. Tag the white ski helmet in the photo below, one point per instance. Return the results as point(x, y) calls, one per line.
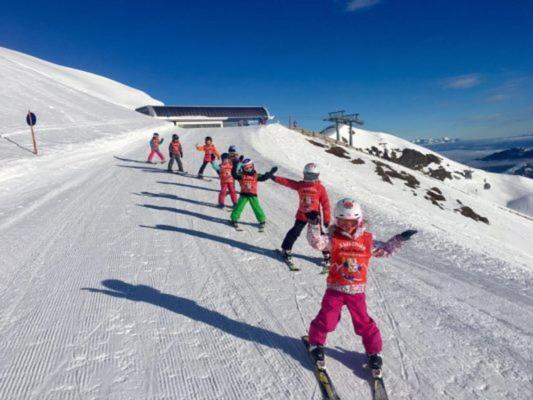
point(348, 208)
point(311, 172)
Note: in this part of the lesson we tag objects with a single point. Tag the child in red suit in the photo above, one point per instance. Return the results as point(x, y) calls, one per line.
point(351, 248)
point(227, 182)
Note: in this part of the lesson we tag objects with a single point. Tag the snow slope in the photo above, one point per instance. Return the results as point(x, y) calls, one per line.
point(125, 282)
point(73, 79)
point(504, 190)
point(77, 112)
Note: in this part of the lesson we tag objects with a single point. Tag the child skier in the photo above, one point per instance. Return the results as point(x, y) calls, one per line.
point(227, 182)
point(313, 197)
point(175, 153)
point(154, 148)
point(248, 179)
point(351, 248)
point(210, 154)
point(233, 155)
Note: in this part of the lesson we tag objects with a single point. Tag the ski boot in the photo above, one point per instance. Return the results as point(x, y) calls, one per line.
point(317, 352)
point(287, 256)
point(220, 206)
point(261, 226)
point(235, 224)
point(375, 362)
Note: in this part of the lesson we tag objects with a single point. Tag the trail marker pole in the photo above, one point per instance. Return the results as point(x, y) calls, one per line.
point(31, 120)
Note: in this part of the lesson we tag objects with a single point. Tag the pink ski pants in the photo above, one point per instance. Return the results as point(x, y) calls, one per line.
point(224, 188)
point(155, 151)
point(330, 314)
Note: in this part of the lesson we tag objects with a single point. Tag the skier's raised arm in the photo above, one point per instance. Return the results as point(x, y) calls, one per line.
point(386, 249)
point(286, 182)
point(267, 175)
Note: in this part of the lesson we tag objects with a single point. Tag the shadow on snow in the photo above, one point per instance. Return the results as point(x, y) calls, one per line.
point(178, 198)
point(188, 186)
point(242, 330)
point(192, 310)
point(272, 253)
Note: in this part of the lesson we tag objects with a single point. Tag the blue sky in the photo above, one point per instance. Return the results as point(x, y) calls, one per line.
point(416, 68)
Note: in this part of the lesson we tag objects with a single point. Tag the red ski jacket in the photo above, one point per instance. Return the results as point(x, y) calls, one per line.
point(312, 195)
point(225, 172)
point(209, 150)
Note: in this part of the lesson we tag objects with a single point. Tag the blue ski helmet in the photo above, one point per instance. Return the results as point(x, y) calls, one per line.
point(232, 149)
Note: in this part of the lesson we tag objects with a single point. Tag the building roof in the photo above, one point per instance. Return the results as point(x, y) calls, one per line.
point(208, 111)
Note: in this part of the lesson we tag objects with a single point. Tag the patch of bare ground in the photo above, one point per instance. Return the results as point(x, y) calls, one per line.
point(386, 172)
point(468, 212)
point(338, 151)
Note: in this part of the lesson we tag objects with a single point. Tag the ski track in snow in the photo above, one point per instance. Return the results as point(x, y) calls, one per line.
point(124, 282)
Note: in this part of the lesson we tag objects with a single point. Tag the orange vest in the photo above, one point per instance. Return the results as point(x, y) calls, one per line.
point(349, 259)
point(176, 147)
point(249, 184)
point(225, 172)
point(309, 198)
point(209, 150)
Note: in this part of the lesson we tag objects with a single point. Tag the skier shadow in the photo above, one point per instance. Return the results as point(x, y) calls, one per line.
point(174, 197)
point(190, 214)
point(188, 186)
point(129, 160)
point(145, 168)
point(194, 311)
point(272, 253)
point(352, 360)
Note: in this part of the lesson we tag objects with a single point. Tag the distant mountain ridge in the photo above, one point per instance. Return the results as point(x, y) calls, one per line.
point(514, 153)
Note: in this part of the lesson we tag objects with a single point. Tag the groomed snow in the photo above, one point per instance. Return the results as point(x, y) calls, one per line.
point(126, 282)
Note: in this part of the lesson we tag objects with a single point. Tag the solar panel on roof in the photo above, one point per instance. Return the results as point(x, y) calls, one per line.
point(212, 112)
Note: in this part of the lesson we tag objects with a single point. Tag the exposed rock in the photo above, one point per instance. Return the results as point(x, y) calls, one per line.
point(338, 151)
point(435, 195)
point(357, 161)
point(316, 143)
point(440, 173)
point(414, 159)
point(386, 173)
point(468, 212)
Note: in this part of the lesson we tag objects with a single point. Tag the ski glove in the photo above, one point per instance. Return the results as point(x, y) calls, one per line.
point(406, 235)
point(313, 217)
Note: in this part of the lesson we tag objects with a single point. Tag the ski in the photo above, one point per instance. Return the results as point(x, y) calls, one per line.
point(322, 376)
point(378, 389)
point(202, 178)
point(289, 263)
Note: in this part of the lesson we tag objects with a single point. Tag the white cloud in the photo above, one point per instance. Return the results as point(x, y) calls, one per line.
point(462, 81)
point(356, 5)
point(497, 98)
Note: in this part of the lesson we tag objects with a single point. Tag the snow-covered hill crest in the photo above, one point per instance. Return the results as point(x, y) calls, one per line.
point(504, 190)
point(85, 82)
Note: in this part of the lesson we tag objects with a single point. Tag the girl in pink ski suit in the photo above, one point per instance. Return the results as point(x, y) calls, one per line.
point(227, 182)
point(351, 248)
point(154, 148)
